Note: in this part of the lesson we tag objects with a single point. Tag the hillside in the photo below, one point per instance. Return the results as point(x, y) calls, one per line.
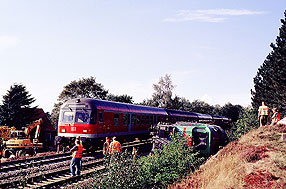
point(256, 160)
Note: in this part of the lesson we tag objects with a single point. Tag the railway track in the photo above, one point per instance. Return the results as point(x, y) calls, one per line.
point(51, 171)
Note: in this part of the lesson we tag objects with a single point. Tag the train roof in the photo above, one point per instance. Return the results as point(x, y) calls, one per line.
point(179, 113)
point(183, 127)
point(220, 117)
point(204, 116)
point(115, 106)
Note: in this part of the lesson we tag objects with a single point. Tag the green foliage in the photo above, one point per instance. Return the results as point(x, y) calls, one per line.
point(162, 96)
point(270, 81)
point(120, 98)
point(174, 161)
point(83, 88)
point(121, 172)
point(246, 122)
point(16, 109)
point(163, 91)
point(201, 107)
point(231, 111)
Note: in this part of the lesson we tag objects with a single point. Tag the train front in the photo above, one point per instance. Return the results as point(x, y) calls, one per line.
point(75, 119)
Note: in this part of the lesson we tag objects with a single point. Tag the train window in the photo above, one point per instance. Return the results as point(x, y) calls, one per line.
point(81, 117)
point(138, 120)
point(100, 117)
point(125, 119)
point(68, 117)
point(93, 117)
point(151, 120)
point(133, 119)
point(116, 119)
point(144, 120)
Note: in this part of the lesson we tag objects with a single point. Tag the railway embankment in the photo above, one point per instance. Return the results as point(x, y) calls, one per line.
point(256, 160)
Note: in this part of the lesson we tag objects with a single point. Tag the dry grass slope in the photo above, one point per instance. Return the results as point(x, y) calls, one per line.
point(257, 160)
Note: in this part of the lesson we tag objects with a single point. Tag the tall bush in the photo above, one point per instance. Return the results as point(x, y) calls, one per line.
point(247, 121)
point(163, 167)
point(174, 161)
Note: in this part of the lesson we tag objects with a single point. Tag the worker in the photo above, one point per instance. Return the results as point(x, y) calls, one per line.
point(78, 138)
point(75, 164)
point(106, 146)
point(263, 114)
point(275, 117)
point(134, 153)
point(115, 146)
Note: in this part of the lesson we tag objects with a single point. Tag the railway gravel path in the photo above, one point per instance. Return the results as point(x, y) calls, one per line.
point(51, 170)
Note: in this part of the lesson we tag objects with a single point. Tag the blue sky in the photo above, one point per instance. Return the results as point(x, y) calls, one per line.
point(211, 48)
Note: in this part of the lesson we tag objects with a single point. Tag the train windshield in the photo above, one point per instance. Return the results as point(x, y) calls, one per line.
point(78, 116)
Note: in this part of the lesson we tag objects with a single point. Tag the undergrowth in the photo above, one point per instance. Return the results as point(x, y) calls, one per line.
point(158, 170)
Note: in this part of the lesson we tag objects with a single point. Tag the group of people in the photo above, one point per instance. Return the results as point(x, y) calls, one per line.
point(113, 147)
point(108, 148)
point(264, 115)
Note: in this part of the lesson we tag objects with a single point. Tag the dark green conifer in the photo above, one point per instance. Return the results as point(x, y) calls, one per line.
point(16, 109)
point(270, 81)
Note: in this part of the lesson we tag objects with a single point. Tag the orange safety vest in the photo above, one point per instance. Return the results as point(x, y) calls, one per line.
point(78, 153)
point(115, 147)
point(276, 117)
point(263, 110)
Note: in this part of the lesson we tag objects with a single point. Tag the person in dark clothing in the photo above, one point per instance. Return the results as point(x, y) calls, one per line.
point(106, 146)
point(75, 164)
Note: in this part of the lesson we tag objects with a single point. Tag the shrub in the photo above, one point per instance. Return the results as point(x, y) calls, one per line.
point(161, 168)
point(246, 122)
point(174, 161)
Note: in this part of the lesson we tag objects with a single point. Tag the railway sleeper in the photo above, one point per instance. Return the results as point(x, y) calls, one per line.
point(48, 174)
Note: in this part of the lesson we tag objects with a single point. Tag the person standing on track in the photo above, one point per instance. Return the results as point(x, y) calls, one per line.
point(106, 146)
point(115, 146)
point(263, 114)
point(75, 164)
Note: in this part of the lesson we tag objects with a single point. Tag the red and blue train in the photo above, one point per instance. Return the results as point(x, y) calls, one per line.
point(93, 120)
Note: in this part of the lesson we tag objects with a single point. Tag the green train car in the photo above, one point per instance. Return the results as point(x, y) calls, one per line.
point(203, 137)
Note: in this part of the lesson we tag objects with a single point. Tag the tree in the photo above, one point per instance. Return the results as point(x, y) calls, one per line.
point(270, 81)
point(201, 107)
point(246, 121)
point(181, 103)
point(16, 109)
point(120, 98)
point(162, 96)
point(163, 91)
point(83, 88)
point(231, 111)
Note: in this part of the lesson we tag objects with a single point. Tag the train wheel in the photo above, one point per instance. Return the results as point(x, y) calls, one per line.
point(7, 153)
point(34, 152)
point(20, 153)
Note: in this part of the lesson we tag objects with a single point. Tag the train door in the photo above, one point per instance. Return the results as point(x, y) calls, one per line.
point(129, 122)
point(100, 126)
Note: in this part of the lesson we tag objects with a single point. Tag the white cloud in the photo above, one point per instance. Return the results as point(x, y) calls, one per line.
point(7, 41)
point(210, 15)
